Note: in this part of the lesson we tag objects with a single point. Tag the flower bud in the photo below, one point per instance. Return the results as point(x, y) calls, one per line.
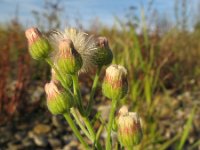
point(68, 59)
point(115, 84)
point(129, 130)
point(55, 78)
point(103, 55)
point(58, 102)
point(39, 47)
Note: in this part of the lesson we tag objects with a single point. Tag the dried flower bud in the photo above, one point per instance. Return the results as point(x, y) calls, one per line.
point(58, 101)
point(103, 54)
point(129, 128)
point(68, 59)
point(55, 79)
point(115, 84)
point(39, 46)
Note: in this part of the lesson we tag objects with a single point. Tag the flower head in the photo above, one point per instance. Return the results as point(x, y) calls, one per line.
point(115, 84)
point(83, 43)
point(103, 54)
point(39, 46)
point(58, 101)
point(67, 58)
point(129, 127)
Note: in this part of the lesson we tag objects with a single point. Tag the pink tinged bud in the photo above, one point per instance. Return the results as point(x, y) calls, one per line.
point(103, 55)
point(116, 75)
point(129, 128)
point(68, 59)
point(51, 91)
point(39, 46)
point(58, 101)
point(115, 84)
point(32, 34)
point(103, 42)
point(66, 48)
point(122, 111)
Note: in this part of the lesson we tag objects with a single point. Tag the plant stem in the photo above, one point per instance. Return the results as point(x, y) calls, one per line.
point(94, 87)
point(62, 81)
point(77, 93)
point(75, 130)
point(89, 127)
point(130, 148)
point(76, 117)
point(99, 147)
point(111, 118)
point(91, 135)
point(99, 132)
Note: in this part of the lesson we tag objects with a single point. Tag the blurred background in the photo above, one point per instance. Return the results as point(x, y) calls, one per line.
point(159, 43)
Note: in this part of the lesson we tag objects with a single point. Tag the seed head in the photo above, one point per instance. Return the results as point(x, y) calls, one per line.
point(83, 43)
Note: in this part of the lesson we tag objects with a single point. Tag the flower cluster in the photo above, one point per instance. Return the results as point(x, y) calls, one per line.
point(70, 53)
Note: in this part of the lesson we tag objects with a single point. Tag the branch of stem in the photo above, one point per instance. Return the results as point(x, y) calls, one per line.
point(111, 118)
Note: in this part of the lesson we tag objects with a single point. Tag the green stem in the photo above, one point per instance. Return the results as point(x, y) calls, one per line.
point(129, 148)
point(94, 87)
point(77, 93)
point(111, 118)
point(60, 77)
point(76, 117)
point(91, 135)
point(75, 130)
point(89, 127)
point(99, 147)
point(99, 132)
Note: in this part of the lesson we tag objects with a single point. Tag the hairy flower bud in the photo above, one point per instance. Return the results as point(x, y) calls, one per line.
point(129, 128)
point(55, 78)
point(103, 54)
point(58, 102)
point(39, 46)
point(68, 59)
point(115, 84)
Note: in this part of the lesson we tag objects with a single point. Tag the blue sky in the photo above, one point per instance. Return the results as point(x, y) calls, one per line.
point(87, 10)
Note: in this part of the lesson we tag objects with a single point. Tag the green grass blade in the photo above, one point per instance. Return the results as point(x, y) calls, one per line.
point(186, 130)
